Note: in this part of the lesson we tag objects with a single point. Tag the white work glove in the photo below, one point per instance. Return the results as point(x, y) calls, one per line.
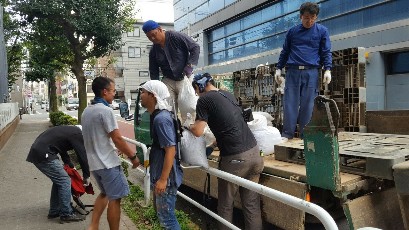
point(278, 78)
point(327, 77)
point(86, 181)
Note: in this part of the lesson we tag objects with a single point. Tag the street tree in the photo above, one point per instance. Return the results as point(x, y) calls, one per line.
point(14, 44)
point(49, 53)
point(93, 28)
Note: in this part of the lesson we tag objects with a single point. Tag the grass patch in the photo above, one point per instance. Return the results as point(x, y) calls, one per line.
point(145, 217)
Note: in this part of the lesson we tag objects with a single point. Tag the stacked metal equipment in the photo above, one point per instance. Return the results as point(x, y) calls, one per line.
point(348, 88)
point(256, 88)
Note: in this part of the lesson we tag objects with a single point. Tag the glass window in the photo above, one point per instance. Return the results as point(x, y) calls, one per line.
point(215, 5)
point(135, 33)
point(134, 52)
point(397, 63)
point(202, 11)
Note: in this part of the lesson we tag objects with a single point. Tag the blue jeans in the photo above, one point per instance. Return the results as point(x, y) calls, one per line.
point(165, 209)
point(60, 201)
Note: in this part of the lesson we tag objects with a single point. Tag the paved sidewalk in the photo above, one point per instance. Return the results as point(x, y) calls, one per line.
point(25, 191)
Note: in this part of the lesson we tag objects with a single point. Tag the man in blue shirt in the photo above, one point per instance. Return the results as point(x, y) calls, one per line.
point(306, 49)
point(166, 173)
point(173, 54)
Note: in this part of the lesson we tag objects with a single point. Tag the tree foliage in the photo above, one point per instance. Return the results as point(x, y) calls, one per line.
point(14, 44)
point(92, 28)
point(48, 53)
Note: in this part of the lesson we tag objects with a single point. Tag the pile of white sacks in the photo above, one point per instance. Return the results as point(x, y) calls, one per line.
point(266, 135)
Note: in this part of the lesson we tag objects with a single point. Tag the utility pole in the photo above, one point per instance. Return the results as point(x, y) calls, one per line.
point(4, 92)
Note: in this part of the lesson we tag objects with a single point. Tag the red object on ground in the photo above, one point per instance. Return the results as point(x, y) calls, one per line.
point(77, 186)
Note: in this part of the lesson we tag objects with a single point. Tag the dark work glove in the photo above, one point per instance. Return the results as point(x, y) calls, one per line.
point(188, 70)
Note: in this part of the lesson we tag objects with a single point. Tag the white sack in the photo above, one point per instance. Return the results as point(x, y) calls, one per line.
point(258, 122)
point(187, 98)
point(208, 136)
point(266, 136)
point(268, 116)
point(193, 150)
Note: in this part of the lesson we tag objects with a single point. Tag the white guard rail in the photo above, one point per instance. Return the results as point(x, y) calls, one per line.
point(147, 176)
point(8, 111)
point(292, 201)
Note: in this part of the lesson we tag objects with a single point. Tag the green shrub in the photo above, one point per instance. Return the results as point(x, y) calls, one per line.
point(60, 118)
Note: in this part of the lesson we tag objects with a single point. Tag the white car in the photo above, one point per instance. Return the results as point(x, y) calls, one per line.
point(115, 103)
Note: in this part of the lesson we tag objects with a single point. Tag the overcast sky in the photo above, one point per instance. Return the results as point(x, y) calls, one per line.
point(157, 10)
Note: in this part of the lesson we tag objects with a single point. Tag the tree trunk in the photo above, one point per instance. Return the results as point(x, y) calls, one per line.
point(82, 86)
point(52, 92)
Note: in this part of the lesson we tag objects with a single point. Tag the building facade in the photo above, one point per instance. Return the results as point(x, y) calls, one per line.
point(132, 61)
point(241, 34)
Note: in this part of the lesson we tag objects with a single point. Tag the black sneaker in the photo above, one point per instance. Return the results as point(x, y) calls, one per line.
point(71, 218)
point(52, 216)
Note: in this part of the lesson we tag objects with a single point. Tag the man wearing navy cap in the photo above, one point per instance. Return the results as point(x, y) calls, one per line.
point(174, 54)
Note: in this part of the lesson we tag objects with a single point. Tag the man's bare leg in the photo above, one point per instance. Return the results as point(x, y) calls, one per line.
point(99, 207)
point(114, 214)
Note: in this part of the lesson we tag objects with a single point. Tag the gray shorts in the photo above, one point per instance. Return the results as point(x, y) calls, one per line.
point(112, 182)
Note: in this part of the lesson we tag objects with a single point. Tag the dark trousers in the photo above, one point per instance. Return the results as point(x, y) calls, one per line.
point(247, 165)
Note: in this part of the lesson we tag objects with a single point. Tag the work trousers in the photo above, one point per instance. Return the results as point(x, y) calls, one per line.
point(301, 88)
point(248, 165)
point(175, 88)
point(60, 200)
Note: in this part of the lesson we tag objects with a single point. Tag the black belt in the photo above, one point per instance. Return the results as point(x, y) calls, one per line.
point(302, 67)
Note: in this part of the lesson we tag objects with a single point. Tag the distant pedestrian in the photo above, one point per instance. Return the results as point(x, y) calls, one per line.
point(44, 155)
point(102, 140)
point(166, 173)
point(173, 55)
point(306, 48)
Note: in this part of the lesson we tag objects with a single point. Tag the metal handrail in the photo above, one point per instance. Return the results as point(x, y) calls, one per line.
point(147, 177)
point(292, 201)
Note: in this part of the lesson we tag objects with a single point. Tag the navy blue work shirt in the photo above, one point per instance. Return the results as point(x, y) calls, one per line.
point(164, 134)
point(179, 51)
point(306, 47)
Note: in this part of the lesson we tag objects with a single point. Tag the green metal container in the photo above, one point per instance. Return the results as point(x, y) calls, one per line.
point(321, 146)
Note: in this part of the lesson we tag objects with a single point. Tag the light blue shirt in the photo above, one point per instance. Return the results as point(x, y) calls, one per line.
point(97, 122)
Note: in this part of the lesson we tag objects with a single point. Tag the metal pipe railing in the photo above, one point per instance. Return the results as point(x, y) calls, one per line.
point(292, 201)
point(147, 177)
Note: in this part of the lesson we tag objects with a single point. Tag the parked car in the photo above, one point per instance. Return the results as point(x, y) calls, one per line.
point(72, 103)
point(115, 103)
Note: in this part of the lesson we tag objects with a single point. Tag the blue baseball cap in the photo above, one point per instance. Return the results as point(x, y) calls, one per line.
point(201, 81)
point(149, 25)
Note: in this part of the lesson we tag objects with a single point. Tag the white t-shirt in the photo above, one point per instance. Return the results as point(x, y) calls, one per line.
point(97, 122)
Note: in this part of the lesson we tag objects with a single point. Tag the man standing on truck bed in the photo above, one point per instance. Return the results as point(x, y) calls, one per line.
point(174, 54)
point(306, 48)
point(239, 152)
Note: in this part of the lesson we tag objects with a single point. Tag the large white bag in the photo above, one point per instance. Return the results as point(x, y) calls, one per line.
point(193, 150)
point(266, 136)
point(187, 98)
